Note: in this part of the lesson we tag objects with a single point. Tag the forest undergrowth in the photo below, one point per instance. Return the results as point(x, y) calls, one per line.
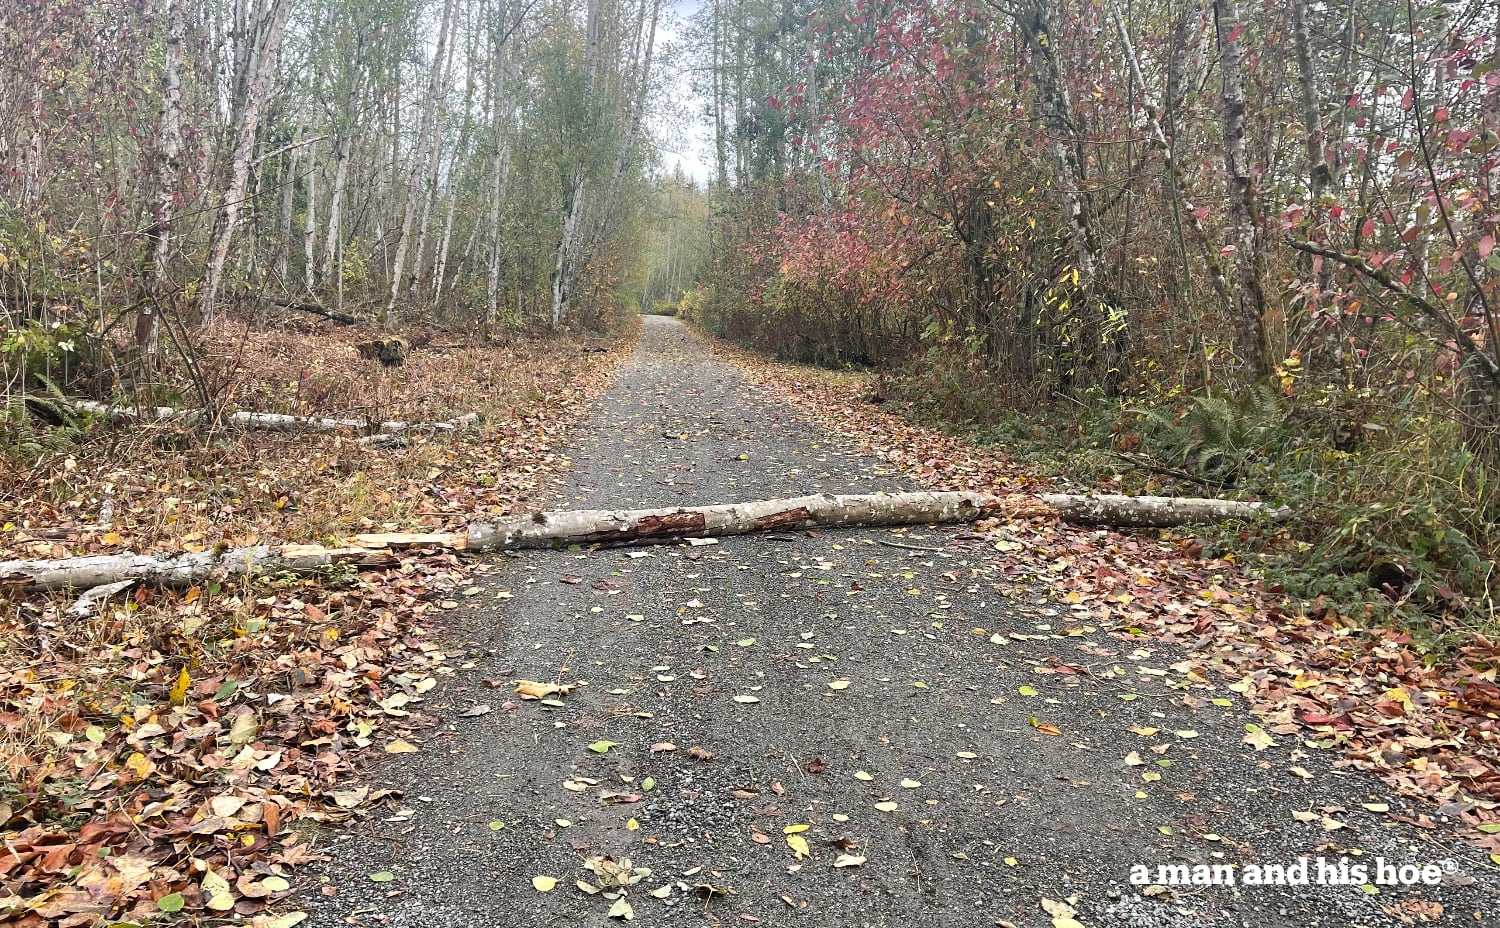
point(168, 750)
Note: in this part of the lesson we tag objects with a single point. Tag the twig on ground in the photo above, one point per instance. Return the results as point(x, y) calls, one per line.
point(897, 544)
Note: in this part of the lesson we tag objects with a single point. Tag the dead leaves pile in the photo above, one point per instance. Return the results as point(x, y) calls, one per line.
point(163, 757)
point(1317, 679)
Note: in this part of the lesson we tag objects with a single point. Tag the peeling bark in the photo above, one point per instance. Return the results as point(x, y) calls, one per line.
point(829, 510)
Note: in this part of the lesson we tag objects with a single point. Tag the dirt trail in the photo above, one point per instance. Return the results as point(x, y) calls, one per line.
point(1029, 755)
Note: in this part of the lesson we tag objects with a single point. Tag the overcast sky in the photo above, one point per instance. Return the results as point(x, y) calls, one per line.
point(686, 137)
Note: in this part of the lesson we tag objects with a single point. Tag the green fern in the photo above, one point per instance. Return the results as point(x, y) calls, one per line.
point(1216, 435)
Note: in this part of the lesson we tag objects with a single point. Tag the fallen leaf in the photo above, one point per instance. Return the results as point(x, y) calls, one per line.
point(621, 909)
point(532, 689)
point(544, 884)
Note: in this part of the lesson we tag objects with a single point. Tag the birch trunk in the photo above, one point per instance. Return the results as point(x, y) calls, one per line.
point(565, 270)
point(499, 167)
point(270, 421)
point(564, 273)
point(333, 243)
point(168, 174)
point(262, 35)
point(597, 526)
point(310, 227)
point(455, 171)
point(1319, 176)
point(420, 157)
point(1247, 255)
point(1035, 17)
point(640, 77)
point(284, 219)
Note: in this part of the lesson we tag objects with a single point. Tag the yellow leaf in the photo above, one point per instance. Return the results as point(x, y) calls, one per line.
point(140, 765)
point(180, 688)
point(799, 847)
point(216, 888)
point(111, 538)
point(794, 829)
point(544, 884)
point(632, 825)
point(401, 746)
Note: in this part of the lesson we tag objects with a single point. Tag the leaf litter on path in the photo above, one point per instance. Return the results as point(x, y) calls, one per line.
point(1309, 673)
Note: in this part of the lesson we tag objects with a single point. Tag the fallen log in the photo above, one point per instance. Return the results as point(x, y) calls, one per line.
point(597, 526)
point(179, 570)
point(270, 421)
point(318, 309)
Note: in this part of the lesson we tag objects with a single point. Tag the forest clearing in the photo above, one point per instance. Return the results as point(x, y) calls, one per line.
point(1014, 462)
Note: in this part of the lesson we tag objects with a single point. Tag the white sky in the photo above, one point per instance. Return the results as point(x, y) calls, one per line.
point(686, 137)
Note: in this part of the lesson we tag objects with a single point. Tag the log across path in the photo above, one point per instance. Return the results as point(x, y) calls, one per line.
point(865, 727)
point(593, 527)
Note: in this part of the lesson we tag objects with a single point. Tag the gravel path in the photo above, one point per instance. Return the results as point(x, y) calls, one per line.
point(887, 689)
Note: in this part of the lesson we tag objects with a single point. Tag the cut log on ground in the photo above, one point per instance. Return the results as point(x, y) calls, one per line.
point(599, 526)
point(270, 421)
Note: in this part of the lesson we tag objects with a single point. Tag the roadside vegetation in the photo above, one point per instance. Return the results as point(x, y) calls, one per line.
point(1217, 249)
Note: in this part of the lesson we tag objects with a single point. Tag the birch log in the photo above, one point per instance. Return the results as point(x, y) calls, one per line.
point(273, 422)
point(178, 570)
point(599, 526)
point(602, 526)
